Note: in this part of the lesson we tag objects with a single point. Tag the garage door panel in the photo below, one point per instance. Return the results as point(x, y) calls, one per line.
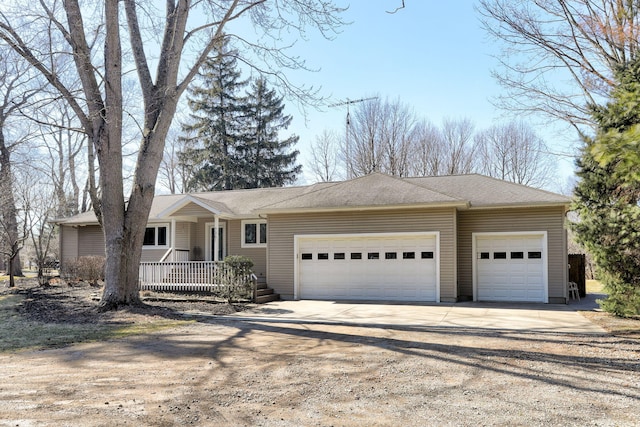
point(510, 268)
point(389, 268)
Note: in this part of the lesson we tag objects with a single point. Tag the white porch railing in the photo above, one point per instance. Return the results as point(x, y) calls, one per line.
point(191, 276)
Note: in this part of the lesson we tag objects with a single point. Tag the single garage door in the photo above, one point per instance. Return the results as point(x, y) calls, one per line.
point(390, 267)
point(511, 267)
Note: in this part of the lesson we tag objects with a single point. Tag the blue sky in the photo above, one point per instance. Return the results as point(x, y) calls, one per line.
point(432, 55)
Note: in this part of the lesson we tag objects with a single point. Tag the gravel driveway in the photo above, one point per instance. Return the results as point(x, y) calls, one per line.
point(226, 372)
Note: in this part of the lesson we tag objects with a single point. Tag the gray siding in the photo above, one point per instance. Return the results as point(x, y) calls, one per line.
point(153, 255)
point(183, 235)
point(68, 242)
point(257, 255)
point(90, 241)
point(191, 209)
point(282, 229)
point(198, 239)
point(550, 220)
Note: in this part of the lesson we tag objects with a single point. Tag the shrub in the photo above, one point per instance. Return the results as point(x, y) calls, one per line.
point(85, 268)
point(240, 265)
point(238, 277)
point(623, 299)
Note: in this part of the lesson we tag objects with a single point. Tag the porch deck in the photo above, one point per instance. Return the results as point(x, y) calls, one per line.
point(192, 276)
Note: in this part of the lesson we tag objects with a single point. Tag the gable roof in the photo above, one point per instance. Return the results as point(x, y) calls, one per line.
point(374, 191)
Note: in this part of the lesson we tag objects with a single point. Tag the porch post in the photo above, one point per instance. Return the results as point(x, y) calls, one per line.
point(173, 240)
point(216, 238)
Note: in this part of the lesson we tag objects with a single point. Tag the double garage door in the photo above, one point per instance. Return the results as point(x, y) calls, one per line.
point(511, 267)
point(390, 267)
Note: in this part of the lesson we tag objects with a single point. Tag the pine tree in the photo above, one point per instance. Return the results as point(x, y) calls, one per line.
point(606, 197)
point(270, 161)
point(215, 128)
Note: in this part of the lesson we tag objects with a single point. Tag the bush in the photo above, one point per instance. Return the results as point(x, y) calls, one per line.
point(238, 278)
point(85, 268)
point(240, 265)
point(623, 299)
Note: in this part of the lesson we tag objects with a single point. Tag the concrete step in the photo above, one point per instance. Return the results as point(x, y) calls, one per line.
point(267, 298)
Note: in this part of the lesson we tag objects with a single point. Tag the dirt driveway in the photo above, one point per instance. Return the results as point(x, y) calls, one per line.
point(222, 372)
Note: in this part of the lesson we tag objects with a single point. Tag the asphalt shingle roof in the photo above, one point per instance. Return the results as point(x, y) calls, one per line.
point(484, 191)
point(371, 191)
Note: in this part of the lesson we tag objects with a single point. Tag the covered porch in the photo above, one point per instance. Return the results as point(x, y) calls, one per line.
point(200, 234)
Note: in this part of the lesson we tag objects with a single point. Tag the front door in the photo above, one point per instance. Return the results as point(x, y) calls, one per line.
point(222, 247)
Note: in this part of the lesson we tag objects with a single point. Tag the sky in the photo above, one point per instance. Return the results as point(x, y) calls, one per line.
point(432, 55)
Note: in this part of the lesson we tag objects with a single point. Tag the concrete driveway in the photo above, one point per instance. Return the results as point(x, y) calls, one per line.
point(558, 318)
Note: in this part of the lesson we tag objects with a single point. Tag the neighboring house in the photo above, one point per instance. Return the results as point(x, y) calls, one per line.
point(377, 237)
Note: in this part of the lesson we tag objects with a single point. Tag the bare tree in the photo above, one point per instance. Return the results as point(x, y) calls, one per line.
point(16, 90)
point(428, 150)
point(514, 152)
point(381, 137)
point(64, 145)
point(364, 153)
point(458, 149)
point(174, 174)
point(39, 207)
point(550, 41)
point(183, 46)
point(324, 156)
point(398, 138)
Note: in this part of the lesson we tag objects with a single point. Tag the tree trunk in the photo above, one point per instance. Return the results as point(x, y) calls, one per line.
point(9, 214)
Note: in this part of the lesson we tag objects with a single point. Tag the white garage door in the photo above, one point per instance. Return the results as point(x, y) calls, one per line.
point(511, 267)
point(388, 267)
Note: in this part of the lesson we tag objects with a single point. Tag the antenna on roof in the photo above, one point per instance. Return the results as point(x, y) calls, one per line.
point(348, 102)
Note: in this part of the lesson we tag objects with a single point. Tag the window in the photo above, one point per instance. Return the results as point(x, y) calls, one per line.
point(254, 233)
point(356, 255)
point(338, 255)
point(323, 255)
point(307, 256)
point(408, 255)
point(535, 255)
point(426, 255)
point(499, 255)
point(156, 236)
point(390, 255)
point(517, 255)
point(263, 233)
point(484, 255)
point(373, 255)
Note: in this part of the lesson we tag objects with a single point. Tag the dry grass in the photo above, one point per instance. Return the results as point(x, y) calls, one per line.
point(594, 287)
point(21, 333)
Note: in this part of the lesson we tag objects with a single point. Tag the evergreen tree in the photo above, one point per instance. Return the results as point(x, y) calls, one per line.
point(270, 161)
point(215, 130)
point(606, 197)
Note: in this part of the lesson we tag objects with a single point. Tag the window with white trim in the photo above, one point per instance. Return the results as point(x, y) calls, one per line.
point(156, 236)
point(254, 233)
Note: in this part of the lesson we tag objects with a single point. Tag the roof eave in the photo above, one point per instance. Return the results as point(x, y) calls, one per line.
point(520, 205)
